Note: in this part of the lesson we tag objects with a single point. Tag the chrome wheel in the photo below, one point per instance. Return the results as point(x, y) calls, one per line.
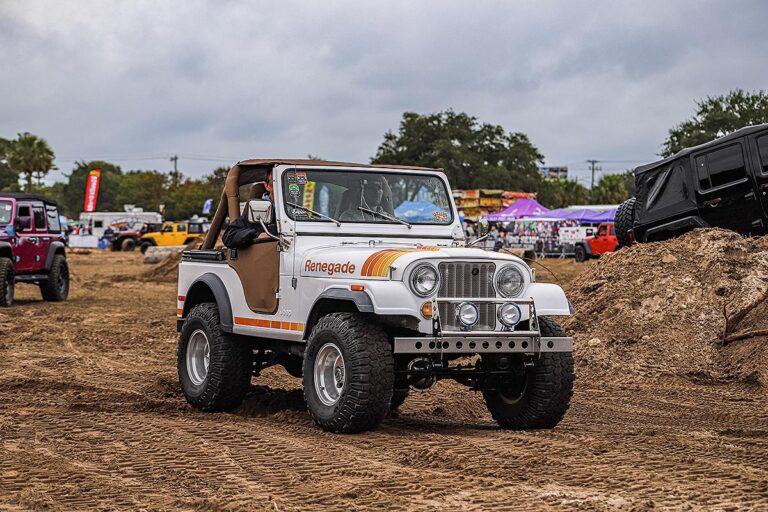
point(198, 357)
point(330, 374)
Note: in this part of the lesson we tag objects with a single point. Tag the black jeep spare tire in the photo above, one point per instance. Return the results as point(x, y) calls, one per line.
point(7, 282)
point(625, 217)
point(214, 367)
point(536, 396)
point(348, 373)
point(56, 287)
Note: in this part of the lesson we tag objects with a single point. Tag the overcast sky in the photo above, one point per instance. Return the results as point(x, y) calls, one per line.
point(134, 82)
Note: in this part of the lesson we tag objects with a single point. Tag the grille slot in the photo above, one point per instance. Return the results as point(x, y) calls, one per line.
point(470, 280)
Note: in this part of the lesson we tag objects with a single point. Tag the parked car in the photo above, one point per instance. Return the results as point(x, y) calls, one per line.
point(31, 247)
point(723, 183)
point(603, 241)
point(172, 234)
point(363, 303)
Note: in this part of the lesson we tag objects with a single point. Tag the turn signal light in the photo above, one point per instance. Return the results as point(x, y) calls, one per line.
point(426, 310)
point(357, 287)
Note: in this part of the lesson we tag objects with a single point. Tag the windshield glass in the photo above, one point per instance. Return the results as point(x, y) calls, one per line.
point(5, 212)
point(362, 196)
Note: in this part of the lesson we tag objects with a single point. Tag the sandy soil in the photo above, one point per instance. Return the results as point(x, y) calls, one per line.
point(91, 417)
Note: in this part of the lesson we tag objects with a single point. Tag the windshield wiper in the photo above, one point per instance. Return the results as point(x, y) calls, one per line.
point(384, 215)
point(313, 212)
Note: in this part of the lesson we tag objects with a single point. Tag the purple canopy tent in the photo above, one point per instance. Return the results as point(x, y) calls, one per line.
point(522, 208)
point(585, 216)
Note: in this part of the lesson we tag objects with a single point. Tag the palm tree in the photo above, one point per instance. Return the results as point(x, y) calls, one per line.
point(31, 156)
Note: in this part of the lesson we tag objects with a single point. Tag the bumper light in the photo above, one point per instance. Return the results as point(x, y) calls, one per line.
point(467, 314)
point(510, 314)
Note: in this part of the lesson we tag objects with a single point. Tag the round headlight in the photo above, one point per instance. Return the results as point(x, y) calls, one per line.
point(424, 280)
point(510, 281)
point(468, 314)
point(509, 314)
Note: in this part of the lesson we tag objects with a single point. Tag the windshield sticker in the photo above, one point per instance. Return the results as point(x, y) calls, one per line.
point(291, 177)
point(293, 189)
point(6, 207)
point(301, 178)
point(300, 214)
point(440, 216)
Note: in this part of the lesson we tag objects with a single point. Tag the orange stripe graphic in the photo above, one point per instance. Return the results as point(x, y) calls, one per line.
point(269, 324)
point(378, 263)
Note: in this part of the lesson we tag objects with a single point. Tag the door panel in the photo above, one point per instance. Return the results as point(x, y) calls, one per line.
point(759, 149)
point(258, 267)
point(43, 238)
point(726, 195)
point(26, 241)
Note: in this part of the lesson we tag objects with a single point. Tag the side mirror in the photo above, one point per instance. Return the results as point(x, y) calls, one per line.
point(23, 223)
point(482, 227)
point(259, 210)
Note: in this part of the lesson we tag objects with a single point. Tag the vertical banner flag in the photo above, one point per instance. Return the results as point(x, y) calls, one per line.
point(207, 206)
point(92, 190)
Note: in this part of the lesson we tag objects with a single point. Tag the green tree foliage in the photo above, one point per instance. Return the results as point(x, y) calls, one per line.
point(474, 155)
point(718, 116)
point(109, 188)
point(145, 189)
point(30, 156)
point(187, 199)
point(561, 193)
point(611, 189)
point(9, 178)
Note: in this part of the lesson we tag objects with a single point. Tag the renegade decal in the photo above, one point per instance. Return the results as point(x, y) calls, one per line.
point(329, 268)
point(378, 263)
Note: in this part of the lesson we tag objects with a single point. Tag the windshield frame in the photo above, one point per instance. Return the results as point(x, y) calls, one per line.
point(283, 196)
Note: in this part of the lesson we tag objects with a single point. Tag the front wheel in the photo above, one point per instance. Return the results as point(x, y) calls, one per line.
point(580, 254)
point(56, 287)
point(144, 246)
point(534, 396)
point(7, 280)
point(128, 244)
point(214, 367)
point(348, 373)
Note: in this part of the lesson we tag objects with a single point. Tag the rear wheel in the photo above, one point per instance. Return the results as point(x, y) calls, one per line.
point(6, 282)
point(144, 246)
point(348, 373)
point(535, 396)
point(214, 367)
point(580, 254)
point(56, 287)
point(128, 244)
point(625, 217)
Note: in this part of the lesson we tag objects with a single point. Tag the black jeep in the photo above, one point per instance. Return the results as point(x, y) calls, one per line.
point(723, 183)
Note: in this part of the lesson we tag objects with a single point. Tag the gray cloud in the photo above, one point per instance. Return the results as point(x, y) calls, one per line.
point(238, 79)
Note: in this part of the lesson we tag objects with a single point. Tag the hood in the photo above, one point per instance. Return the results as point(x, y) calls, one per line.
point(365, 262)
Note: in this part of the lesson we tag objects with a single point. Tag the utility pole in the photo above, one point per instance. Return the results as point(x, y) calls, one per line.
point(593, 167)
point(175, 176)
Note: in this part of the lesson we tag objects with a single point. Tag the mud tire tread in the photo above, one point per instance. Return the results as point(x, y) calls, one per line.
point(49, 288)
point(625, 217)
point(369, 366)
point(6, 276)
point(230, 368)
point(550, 394)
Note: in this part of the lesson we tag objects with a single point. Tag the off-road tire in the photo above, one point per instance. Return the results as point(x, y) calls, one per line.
point(398, 397)
point(7, 282)
point(144, 246)
point(625, 217)
point(580, 254)
point(368, 368)
point(56, 287)
point(547, 393)
point(229, 371)
point(128, 244)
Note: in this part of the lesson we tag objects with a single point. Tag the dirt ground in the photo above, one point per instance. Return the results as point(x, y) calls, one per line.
point(91, 417)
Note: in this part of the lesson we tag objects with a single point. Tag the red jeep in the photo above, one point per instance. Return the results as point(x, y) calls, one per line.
point(31, 247)
point(603, 241)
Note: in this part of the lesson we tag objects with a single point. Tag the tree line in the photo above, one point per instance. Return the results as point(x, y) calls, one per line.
point(473, 154)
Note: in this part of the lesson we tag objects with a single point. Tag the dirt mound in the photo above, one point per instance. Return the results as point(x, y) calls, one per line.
point(693, 306)
point(166, 270)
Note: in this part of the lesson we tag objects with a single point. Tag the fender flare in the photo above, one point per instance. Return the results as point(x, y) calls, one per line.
point(6, 251)
point(216, 286)
point(53, 249)
point(362, 300)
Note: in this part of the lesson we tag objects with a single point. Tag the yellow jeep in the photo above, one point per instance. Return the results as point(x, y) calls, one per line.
point(172, 233)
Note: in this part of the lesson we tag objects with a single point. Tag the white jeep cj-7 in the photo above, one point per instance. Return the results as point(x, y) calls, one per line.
point(366, 290)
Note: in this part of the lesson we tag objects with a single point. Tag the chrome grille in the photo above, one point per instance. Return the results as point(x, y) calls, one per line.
point(470, 280)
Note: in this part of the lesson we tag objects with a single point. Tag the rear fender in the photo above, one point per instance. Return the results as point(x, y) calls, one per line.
point(209, 288)
point(54, 249)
